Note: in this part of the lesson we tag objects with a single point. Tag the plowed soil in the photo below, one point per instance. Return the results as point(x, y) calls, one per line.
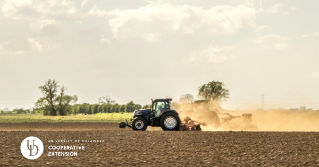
point(154, 147)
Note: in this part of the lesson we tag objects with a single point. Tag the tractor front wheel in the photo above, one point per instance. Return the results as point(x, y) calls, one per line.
point(170, 121)
point(139, 123)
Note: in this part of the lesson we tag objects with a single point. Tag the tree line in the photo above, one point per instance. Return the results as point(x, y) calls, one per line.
point(86, 108)
point(56, 102)
point(17, 111)
point(105, 108)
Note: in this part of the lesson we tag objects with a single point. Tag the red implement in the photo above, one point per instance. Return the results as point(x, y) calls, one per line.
point(190, 125)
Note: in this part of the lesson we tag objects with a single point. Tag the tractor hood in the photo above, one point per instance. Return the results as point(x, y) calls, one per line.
point(142, 112)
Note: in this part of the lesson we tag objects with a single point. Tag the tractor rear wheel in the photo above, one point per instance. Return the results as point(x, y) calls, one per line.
point(139, 123)
point(170, 121)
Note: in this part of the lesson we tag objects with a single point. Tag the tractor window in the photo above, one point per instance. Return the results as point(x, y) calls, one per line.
point(160, 106)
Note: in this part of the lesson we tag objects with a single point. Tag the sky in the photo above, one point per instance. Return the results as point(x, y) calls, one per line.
point(140, 50)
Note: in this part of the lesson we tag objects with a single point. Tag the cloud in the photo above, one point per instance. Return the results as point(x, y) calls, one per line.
point(151, 37)
point(15, 46)
point(212, 54)
point(10, 7)
point(90, 30)
point(103, 39)
point(309, 35)
point(38, 9)
point(83, 3)
point(72, 10)
point(53, 46)
point(275, 8)
point(281, 46)
point(35, 44)
point(272, 41)
point(286, 13)
point(153, 20)
point(42, 23)
point(263, 28)
point(315, 74)
point(261, 5)
point(65, 2)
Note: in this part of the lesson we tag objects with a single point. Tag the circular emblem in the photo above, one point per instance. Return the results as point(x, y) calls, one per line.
point(31, 147)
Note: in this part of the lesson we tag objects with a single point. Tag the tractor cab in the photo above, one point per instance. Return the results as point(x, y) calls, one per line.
point(160, 105)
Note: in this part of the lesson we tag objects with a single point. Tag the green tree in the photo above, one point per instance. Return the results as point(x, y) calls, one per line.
point(64, 101)
point(108, 108)
point(84, 108)
point(147, 106)
point(122, 108)
point(101, 109)
point(19, 111)
point(94, 108)
point(47, 103)
point(116, 107)
point(76, 109)
point(213, 90)
point(37, 110)
point(129, 107)
point(137, 106)
point(53, 103)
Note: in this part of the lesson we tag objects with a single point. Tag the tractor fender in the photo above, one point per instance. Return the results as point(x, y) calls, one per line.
point(167, 111)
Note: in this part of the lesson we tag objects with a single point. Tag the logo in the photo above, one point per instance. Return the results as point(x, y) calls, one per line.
point(31, 147)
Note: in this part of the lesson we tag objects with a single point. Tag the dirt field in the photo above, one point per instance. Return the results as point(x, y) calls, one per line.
point(158, 148)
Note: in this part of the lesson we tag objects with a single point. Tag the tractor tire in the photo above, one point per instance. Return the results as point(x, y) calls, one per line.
point(170, 122)
point(139, 124)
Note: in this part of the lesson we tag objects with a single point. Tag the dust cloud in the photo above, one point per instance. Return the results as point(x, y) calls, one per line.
point(281, 120)
point(217, 119)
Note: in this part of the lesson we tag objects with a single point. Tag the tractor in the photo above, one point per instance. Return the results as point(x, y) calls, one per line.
point(160, 115)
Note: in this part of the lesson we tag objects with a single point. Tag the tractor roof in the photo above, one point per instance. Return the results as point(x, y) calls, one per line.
point(166, 99)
